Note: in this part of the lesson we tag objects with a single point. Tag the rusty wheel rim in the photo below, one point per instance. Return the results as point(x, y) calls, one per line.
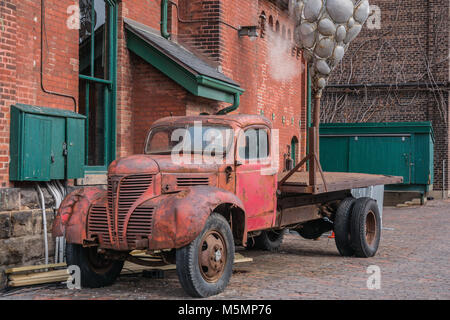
point(97, 262)
point(371, 227)
point(212, 256)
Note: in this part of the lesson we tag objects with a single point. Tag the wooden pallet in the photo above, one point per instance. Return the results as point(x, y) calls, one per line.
point(54, 273)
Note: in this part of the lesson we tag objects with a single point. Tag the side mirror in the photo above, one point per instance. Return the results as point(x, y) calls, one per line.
point(238, 163)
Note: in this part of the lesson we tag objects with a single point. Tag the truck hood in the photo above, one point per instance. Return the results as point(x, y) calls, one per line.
point(152, 164)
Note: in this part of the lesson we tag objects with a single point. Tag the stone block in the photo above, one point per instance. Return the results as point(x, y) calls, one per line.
point(5, 225)
point(29, 198)
point(21, 223)
point(11, 251)
point(9, 199)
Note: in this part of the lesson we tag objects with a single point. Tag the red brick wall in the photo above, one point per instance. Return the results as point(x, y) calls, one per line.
point(20, 82)
point(155, 96)
point(268, 68)
point(244, 61)
point(144, 93)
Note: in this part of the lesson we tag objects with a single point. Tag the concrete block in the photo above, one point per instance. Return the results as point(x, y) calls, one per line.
point(93, 180)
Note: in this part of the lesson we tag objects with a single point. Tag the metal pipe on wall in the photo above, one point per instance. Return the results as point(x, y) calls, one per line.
point(74, 99)
point(44, 220)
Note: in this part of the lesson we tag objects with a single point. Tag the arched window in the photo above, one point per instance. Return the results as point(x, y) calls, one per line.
point(262, 23)
point(283, 32)
point(277, 27)
point(294, 150)
point(271, 23)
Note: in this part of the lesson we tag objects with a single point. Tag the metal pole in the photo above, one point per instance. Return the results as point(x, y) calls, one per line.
point(443, 180)
point(44, 221)
point(314, 141)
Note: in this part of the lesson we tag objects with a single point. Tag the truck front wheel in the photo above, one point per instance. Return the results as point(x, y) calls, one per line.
point(96, 271)
point(204, 267)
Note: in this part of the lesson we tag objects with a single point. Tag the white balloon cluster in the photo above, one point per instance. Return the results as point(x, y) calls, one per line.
point(324, 31)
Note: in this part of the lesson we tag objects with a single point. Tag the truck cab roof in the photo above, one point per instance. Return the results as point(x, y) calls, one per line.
point(239, 120)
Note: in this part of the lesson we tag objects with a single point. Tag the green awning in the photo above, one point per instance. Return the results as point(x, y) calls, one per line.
point(180, 65)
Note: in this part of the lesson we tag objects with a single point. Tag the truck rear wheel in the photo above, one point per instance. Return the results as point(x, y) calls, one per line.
point(342, 227)
point(365, 227)
point(267, 240)
point(96, 271)
point(204, 267)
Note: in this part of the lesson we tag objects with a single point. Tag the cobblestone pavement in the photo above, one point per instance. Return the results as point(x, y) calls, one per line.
point(414, 258)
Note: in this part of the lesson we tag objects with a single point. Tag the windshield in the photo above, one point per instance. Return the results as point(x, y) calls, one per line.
point(189, 139)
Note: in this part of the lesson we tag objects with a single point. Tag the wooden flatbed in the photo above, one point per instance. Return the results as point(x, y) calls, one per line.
point(335, 181)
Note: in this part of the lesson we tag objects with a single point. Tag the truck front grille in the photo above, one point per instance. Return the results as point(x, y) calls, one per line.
point(140, 225)
point(98, 224)
point(122, 194)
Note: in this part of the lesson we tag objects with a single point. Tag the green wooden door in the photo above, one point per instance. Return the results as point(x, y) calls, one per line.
point(36, 166)
point(57, 155)
point(390, 155)
point(75, 148)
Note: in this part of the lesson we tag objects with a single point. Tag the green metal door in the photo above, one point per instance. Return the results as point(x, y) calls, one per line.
point(334, 153)
point(390, 155)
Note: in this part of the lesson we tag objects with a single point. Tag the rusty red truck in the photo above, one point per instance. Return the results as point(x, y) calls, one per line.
point(192, 208)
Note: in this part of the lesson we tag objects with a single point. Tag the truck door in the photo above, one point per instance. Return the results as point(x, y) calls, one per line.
point(255, 177)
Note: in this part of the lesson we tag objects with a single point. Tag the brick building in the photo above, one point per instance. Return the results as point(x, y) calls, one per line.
point(397, 69)
point(123, 67)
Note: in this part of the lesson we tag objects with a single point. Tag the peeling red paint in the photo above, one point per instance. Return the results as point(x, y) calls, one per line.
point(72, 214)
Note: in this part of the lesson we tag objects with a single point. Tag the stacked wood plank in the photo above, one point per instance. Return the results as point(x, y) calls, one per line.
point(54, 273)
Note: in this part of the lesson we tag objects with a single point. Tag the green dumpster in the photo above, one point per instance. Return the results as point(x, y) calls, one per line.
point(397, 148)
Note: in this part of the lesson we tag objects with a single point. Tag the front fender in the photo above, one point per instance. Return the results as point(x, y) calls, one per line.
point(72, 214)
point(180, 217)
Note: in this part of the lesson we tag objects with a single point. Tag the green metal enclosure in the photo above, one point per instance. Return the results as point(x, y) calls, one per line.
point(400, 148)
point(46, 144)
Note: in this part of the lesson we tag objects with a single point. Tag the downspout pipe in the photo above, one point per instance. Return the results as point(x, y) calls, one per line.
point(164, 17)
point(233, 107)
point(235, 91)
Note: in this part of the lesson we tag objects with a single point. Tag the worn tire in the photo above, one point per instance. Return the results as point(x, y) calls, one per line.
point(267, 240)
point(193, 272)
point(95, 271)
point(365, 227)
point(342, 228)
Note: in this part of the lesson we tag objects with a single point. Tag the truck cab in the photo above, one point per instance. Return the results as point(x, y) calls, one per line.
point(203, 185)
